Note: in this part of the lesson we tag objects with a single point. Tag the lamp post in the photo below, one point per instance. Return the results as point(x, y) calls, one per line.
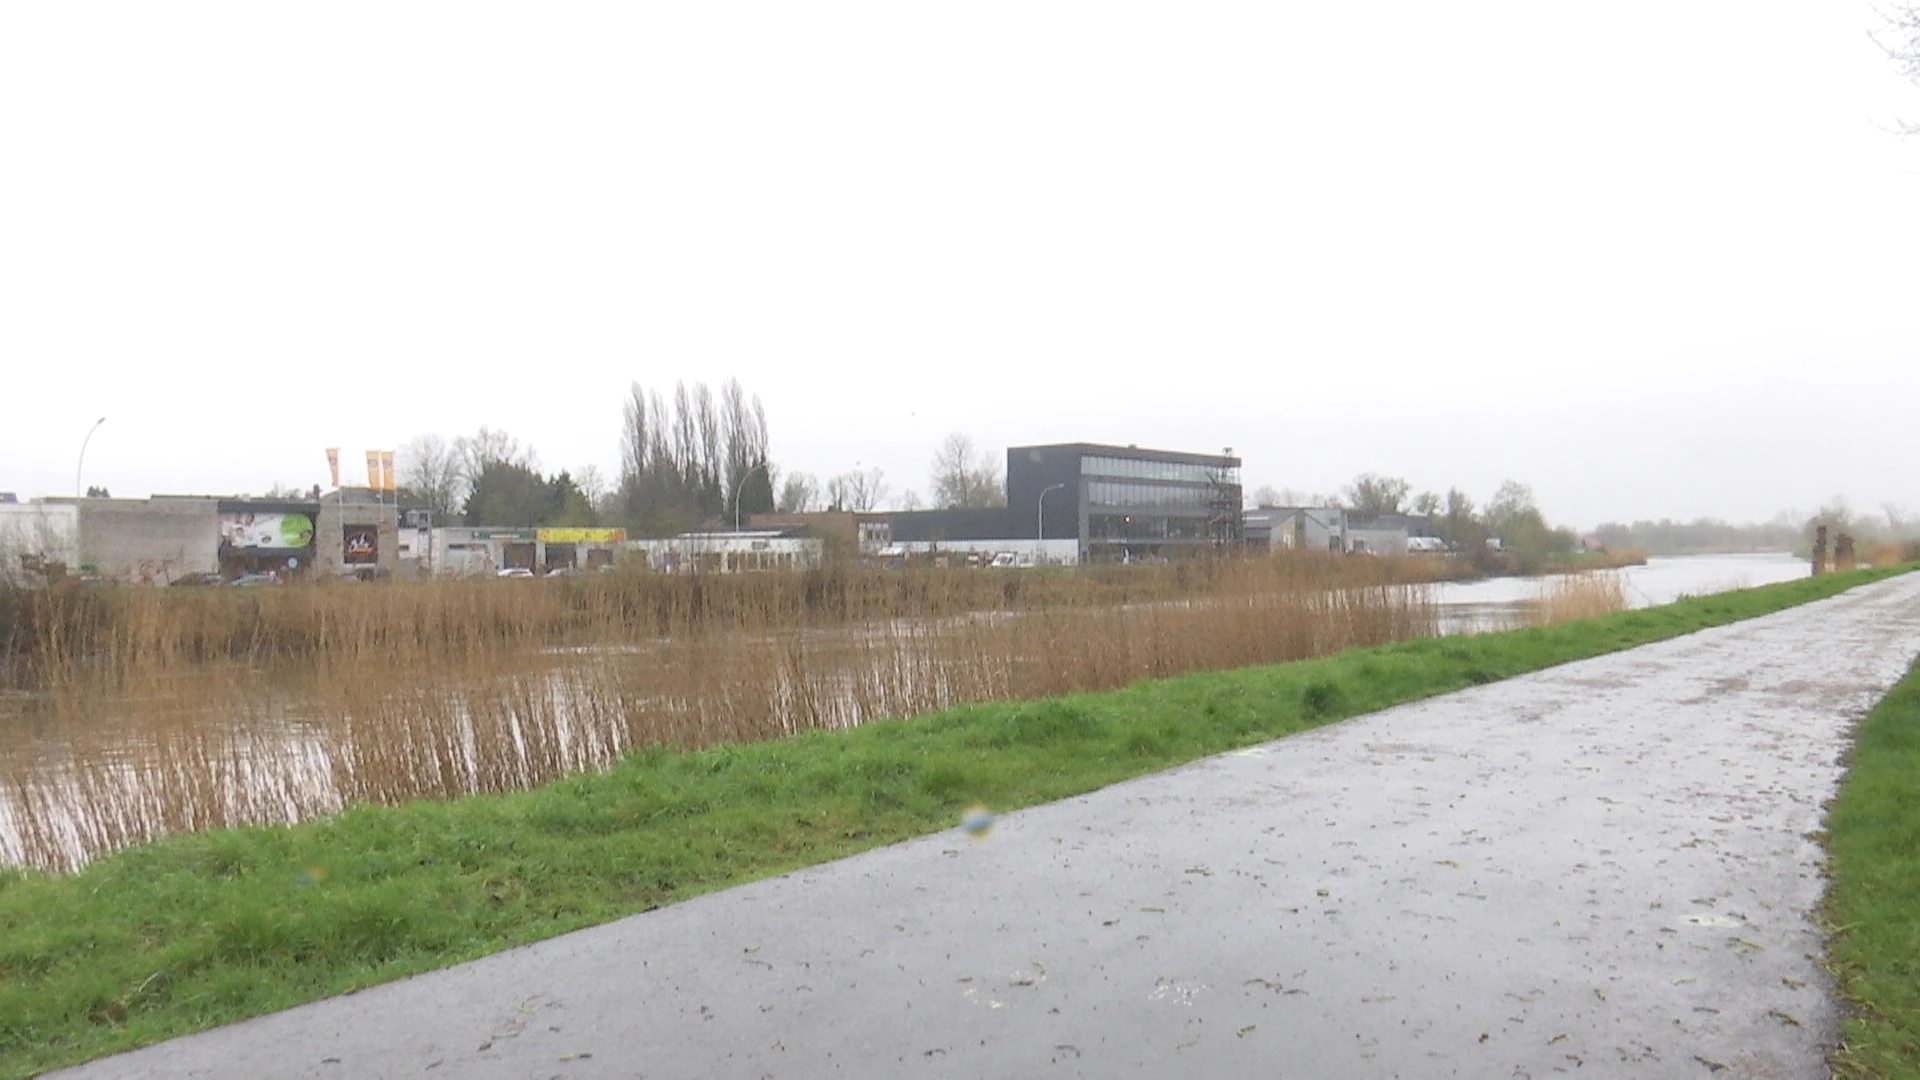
point(1040, 512)
point(82, 463)
point(737, 485)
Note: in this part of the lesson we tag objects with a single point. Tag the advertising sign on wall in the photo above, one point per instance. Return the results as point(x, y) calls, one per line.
point(582, 536)
point(360, 545)
point(270, 532)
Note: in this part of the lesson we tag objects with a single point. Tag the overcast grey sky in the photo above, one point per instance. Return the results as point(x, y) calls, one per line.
point(1653, 258)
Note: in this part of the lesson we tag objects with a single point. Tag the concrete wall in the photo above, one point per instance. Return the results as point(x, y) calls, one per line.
point(34, 534)
point(149, 541)
point(329, 543)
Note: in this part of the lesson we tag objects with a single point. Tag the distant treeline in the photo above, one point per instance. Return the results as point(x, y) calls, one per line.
point(1788, 531)
point(1667, 537)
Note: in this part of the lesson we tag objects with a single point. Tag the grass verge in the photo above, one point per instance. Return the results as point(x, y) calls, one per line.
point(193, 931)
point(1873, 844)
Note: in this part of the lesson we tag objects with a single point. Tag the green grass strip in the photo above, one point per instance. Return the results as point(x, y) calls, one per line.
point(194, 931)
point(1873, 844)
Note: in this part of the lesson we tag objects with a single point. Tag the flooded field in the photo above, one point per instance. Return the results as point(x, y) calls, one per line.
point(103, 752)
point(149, 734)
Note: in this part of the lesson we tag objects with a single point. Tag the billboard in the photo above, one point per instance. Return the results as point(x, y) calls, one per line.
point(266, 532)
point(581, 536)
point(360, 545)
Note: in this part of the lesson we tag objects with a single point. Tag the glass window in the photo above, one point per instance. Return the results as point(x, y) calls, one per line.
point(1178, 472)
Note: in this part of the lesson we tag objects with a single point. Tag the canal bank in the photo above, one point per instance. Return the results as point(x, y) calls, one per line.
point(1606, 867)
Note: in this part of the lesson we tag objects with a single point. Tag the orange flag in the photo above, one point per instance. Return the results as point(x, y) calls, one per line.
point(333, 464)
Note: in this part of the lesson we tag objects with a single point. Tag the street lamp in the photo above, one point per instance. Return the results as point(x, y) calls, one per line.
point(1040, 512)
point(740, 483)
point(81, 464)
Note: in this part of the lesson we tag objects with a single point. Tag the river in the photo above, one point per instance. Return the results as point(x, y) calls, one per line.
point(1470, 607)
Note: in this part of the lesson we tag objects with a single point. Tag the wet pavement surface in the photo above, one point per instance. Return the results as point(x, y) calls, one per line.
point(1601, 870)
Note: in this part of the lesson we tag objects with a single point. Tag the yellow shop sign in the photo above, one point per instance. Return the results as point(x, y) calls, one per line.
point(580, 536)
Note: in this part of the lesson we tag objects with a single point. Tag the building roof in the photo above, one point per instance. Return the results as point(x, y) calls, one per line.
point(1182, 457)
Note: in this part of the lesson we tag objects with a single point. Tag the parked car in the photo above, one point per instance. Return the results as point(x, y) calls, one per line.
point(515, 571)
point(254, 579)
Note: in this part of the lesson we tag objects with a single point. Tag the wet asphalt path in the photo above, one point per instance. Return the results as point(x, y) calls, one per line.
point(1602, 870)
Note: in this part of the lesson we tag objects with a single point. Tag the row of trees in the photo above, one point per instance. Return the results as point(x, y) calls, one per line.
point(696, 459)
point(704, 459)
point(1789, 530)
point(962, 476)
point(488, 478)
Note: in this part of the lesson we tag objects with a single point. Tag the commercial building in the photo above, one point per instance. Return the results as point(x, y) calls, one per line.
point(1297, 528)
point(1115, 503)
point(867, 533)
point(730, 552)
point(1334, 528)
point(38, 539)
point(482, 550)
point(1124, 502)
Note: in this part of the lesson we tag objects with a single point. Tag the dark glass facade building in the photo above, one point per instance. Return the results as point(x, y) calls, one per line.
point(1123, 502)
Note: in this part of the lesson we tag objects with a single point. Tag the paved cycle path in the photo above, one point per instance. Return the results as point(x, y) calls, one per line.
point(1601, 870)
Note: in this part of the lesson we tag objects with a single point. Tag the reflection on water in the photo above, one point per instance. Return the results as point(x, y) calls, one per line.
point(93, 770)
point(89, 769)
point(1473, 607)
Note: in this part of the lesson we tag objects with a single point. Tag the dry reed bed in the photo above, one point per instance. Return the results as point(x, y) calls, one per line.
point(430, 691)
point(1573, 597)
point(85, 633)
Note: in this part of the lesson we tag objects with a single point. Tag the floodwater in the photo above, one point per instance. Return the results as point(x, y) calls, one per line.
point(282, 749)
point(1605, 870)
point(1473, 607)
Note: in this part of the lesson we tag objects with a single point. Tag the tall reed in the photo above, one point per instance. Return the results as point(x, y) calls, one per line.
point(1570, 597)
point(193, 709)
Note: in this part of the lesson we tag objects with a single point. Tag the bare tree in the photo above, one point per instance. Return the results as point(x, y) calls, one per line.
point(1898, 524)
point(433, 471)
point(1371, 493)
point(962, 478)
point(1900, 38)
point(799, 493)
point(488, 447)
point(1427, 504)
point(744, 433)
point(592, 483)
point(707, 420)
point(659, 446)
point(686, 437)
point(1511, 503)
point(634, 444)
point(856, 490)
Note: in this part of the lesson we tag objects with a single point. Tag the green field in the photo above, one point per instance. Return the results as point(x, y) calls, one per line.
point(199, 930)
